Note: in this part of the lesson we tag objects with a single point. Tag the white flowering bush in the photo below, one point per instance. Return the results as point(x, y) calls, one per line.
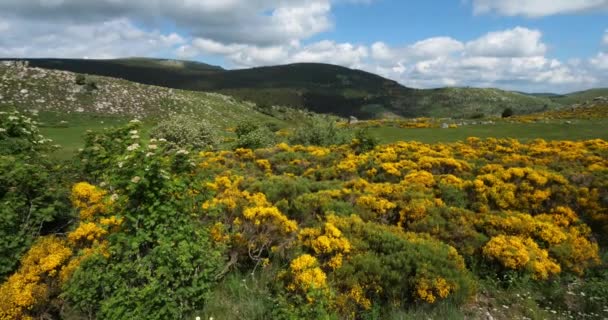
point(163, 262)
point(33, 196)
point(19, 133)
point(183, 131)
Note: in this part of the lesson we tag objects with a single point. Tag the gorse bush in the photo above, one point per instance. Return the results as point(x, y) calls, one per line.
point(186, 131)
point(342, 232)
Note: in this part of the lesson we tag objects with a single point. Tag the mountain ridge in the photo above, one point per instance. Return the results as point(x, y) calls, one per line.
point(323, 88)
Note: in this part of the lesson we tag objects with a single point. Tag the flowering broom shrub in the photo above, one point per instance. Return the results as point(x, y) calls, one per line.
point(343, 232)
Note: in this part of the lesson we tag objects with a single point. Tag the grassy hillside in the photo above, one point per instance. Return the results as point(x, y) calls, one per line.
point(67, 109)
point(470, 102)
point(582, 96)
point(319, 87)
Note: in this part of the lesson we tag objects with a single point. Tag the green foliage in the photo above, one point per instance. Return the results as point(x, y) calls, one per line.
point(319, 131)
point(453, 196)
point(394, 262)
point(252, 135)
point(81, 80)
point(183, 131)
point(90, 86)
point(162, 264)
point(289, 307)
point(477, 115)
point(462, 236)
point(365, 141)
point(101, 154)
point(245, 127)
point(242, 296)
point(507, 113)
point(33, 197)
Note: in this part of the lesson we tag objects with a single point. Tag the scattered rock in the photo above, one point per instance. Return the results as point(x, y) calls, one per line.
point(444, 125)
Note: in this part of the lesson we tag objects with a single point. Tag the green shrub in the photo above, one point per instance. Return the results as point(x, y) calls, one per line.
point(245, 127)
point(186, 131)
point(365, 141)
point(319, 131)
point(508, 112)
point(81, 80)
point(90, 86)
point(254, 136)
point(396, 263)
point(33, 196)
point(162, 263)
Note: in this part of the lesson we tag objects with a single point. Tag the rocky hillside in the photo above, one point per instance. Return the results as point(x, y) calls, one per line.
point(29, 88)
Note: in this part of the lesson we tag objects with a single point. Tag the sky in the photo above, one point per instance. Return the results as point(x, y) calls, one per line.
point(525, 45)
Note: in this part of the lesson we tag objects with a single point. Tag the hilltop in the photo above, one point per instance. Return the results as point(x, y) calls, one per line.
point(318, 87)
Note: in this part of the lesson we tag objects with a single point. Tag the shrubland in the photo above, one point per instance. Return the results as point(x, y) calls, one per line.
point(328, 226)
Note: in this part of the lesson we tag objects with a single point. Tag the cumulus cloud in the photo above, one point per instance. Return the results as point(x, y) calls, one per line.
point(436, 47)
point(109, 39)
point(600, 61)
point(537, 8)
point(242, 55)
point(517, 42)
point(244, 21)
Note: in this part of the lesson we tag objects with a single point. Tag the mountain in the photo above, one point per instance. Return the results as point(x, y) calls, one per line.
point(318, 87)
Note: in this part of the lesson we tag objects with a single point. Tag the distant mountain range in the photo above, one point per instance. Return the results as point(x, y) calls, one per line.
point(321, 88)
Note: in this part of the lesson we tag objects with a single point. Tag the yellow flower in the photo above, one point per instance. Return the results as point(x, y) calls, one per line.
point(306, 274)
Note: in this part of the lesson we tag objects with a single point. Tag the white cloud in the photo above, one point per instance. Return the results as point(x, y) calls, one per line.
point(381, 51)
point(436, 47)
point(242, 55)
point(214, 47)
point(331, 52)
point(605, 39)
point(517, 42)
point(110, 39)
point(259, 22)
point(537, 8)
point(600, 61)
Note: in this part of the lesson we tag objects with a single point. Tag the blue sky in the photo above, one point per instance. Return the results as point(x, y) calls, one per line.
point(399, 22)
point(526, 45)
